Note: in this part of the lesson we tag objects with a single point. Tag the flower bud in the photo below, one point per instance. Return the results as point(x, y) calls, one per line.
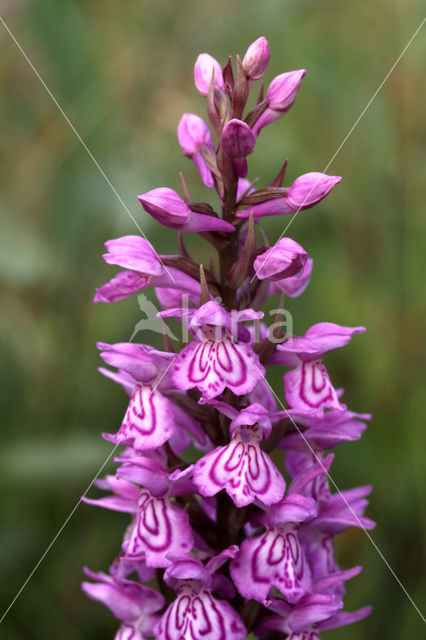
point(309, 189)
point(256, 59)
point(284, 260)
point(283, 90)
point(166, 206)
point(237, 139)
point(192, 134)
point(205, 66)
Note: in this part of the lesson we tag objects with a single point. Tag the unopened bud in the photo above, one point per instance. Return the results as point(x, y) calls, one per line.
point(205, 66)
point(283, 90)
point(237, 139)
point(256, 59)
point(193, 134)
point(309, 189)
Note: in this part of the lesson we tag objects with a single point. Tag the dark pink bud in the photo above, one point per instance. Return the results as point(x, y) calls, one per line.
point(256, 59)
point(166, 206)
point(309, 189)
point(283, 90)
point(237, 139)
point(205, 66)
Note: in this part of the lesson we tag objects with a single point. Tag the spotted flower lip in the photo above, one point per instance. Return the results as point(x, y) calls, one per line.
point(196, 613)
point(308, 385)
point(159, 527)
point(193, 135)
point(150, 419)
point(168, 208)
point(214, 361)
point(276, 558)
point(241, 467)
point(284, 260)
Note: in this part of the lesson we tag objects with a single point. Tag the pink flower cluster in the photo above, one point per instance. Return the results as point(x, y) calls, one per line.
point(220, 543)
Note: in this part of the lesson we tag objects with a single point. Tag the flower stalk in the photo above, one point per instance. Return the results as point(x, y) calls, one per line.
point(222, 542)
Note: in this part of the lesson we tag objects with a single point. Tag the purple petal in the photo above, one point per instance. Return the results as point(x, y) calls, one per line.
point(307, 190)
point(187, 568)
point(283, 89)
point(311, 610)
point(198, 615)
point(274, 559)
point(134, 253)
point(131, 358)
point(294, 286)
point(215, 563)
point(200, 222)
point(166, 206)
point(308, 387)
point(192, 133)
point(294, 508)
point(344, 618)
point(148, 422)
point(243, 470)
point(211, 366)
point(146, 472)
point(126, 380)
point(237, 139)
point(256, 59)
point(160, 529)
point(262, 394)
point(251, 415)
point(319, 339)
point(206, 66)
point(285, 259)
point(274, 207)
point(124, 284)
point(126, 599)
point(203, 169)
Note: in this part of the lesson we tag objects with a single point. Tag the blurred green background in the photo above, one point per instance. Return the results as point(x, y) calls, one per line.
point(123, 74)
